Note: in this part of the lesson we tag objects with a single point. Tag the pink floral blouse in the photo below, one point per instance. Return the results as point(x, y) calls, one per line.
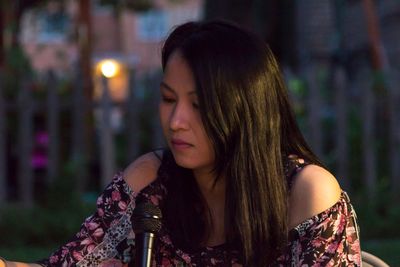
point(106, 238)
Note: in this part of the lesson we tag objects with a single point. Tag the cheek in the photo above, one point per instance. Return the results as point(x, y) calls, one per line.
point(206, 141)
point(164, 115)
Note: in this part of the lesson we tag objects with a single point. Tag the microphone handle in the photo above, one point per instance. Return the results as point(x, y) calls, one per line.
point(144, 243)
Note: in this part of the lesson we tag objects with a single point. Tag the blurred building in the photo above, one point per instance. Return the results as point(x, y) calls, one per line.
point(327, 29)
point(131, 38)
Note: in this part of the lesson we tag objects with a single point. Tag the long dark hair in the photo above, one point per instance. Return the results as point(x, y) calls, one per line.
point(246, 113)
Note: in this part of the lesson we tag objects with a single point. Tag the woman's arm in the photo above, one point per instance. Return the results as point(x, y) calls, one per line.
point(107, 231)
point(314, 190)
point(325, 227)
point(106, 235)
point(4, 263)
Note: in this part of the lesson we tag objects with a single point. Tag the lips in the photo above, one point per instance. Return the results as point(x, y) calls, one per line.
point(179, 143)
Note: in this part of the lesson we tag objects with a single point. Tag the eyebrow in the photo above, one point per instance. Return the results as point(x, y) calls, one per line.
point(169, 88)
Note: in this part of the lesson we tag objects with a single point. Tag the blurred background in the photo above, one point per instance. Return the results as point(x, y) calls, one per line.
point(79, 86)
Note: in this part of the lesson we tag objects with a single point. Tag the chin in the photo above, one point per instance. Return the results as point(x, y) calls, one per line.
point(191, 162)
point(184, 161)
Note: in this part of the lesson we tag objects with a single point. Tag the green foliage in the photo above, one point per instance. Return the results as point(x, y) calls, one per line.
point(17, 60)
point(355, 150)
point(17, 68)
point(36, 226)
point(297, 87)
point(54, 221)
point(25, 253)
point(378, 216)
point(380, 81)
point(298, 90)
point(387, 250)
point(136, 5)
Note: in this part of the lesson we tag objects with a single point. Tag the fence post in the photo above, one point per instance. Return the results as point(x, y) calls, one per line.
point(368, 132)
point(3, 142)
point(25, 144)
point(132, 107)
point(394, 121)
point(107, 154)
point(158, 137)
point(52, 124)
point(314, 108)
point(339, 78)
point(78, 152)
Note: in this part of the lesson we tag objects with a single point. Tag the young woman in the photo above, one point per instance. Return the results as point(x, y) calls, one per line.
point(238, 185)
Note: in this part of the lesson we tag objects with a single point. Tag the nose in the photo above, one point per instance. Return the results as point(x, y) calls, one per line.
point(179, 118)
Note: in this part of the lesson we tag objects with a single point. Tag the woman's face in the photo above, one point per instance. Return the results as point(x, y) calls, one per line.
point(181, 119)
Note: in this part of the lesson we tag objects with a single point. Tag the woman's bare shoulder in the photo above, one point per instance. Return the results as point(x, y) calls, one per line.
point(143, 171)
point(314, 190)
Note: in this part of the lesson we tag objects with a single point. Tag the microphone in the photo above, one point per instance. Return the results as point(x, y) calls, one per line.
point(146, 223)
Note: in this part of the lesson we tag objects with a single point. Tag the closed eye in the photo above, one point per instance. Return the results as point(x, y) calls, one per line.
point(168, 100)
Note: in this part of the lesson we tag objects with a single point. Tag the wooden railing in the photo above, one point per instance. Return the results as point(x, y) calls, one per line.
point(66, 118)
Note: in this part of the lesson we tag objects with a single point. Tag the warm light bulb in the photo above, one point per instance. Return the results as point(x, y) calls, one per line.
point(109, 68)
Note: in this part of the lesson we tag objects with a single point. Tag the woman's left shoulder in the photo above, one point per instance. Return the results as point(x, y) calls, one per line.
point(313, 191)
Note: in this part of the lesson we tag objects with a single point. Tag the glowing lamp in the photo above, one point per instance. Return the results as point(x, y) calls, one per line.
point(109, 68)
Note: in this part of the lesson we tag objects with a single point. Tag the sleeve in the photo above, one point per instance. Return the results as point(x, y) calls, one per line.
point(106, 237)
point(331, 238)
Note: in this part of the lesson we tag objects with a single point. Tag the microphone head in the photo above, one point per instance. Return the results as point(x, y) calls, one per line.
point(146, 217)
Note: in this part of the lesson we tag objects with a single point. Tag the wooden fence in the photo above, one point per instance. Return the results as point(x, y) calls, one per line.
point(53, 131)
point(74, 136)
point(363, 141)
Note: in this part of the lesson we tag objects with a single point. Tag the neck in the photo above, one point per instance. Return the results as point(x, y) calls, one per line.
point(206, 182)
point(214, 195)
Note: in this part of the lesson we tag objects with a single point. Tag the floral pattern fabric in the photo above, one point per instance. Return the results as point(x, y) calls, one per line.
point(327, 239)
point(106, 238)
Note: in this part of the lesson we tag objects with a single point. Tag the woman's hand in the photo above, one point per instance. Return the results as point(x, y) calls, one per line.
point(4, 263)
point(112, 263)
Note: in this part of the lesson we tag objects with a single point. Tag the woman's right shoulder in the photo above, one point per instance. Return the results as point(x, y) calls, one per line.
point(142, 171)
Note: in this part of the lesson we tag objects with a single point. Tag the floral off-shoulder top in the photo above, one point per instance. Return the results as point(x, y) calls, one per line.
point(330, 238)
